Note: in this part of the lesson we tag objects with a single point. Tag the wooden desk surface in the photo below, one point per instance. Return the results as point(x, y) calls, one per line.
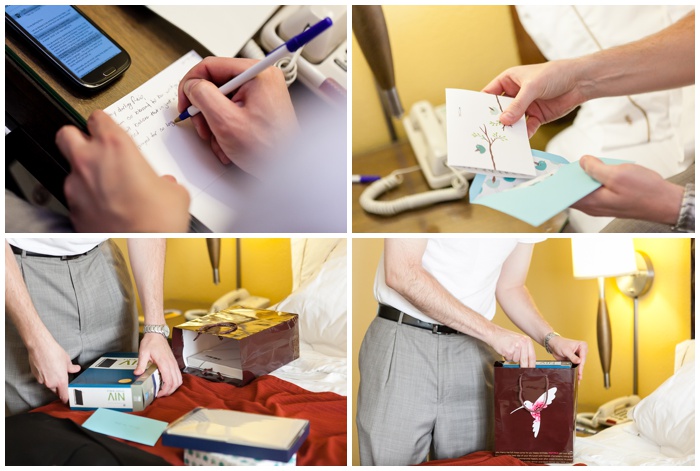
point(450, 216)
point(152, 43)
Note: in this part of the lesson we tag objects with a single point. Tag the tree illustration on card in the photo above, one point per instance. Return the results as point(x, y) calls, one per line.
point(490, 137)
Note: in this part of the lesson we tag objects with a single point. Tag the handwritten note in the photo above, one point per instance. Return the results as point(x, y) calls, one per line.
point(147, 114)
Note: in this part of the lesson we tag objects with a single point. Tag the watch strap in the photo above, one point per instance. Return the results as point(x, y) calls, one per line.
point(156, 329)
point(547, 338)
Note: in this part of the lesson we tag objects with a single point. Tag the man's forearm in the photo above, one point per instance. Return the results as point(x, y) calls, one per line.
point(521, 309)
point(423, 291)
point(660, 61)
point(147, 264)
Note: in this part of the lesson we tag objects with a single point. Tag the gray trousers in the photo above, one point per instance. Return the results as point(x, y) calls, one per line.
point(88, 306)
point(420, 393)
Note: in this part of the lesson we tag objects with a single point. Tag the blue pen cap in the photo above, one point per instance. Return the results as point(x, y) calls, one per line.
point(299, 40)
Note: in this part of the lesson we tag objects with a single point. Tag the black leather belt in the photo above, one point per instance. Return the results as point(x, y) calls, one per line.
point(393, 314)
point(18, 251)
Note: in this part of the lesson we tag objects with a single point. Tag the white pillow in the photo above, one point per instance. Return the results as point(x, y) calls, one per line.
point(667, 416)
point(321, 303)
point(308, 256)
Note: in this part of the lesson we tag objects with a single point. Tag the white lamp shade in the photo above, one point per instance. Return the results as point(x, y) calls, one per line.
point(596, 257)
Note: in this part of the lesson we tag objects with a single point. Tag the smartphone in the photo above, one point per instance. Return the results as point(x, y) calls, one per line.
point(71, 41)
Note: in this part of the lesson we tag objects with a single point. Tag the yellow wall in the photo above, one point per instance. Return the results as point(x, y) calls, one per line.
point(434, 47)
point(570, 307)
point(266, 269)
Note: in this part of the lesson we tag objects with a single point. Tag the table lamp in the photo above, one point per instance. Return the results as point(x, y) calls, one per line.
point(214, 249)
point(371, 33)
point(602, 258)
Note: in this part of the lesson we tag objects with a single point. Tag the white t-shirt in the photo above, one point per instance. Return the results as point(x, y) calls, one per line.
point(58, 247)
point(468, 268)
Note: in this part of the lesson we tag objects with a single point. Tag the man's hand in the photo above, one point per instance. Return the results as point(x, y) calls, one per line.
point(575, 351)
point(544, 92)
point(513, 346)
point(111, 187)
point(244, 128)
point(154, 348)
point(630, 191)
point(50, 365)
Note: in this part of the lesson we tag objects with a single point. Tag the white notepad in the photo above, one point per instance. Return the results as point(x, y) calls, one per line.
point(147, 115)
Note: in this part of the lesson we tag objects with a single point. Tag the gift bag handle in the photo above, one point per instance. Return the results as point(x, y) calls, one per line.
point(232, 327)
point(520, 386)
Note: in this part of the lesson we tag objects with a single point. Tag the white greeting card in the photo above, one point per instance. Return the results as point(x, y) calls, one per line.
point(477, 141)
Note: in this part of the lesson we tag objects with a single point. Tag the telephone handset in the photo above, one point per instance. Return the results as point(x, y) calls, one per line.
point(240, 297)
point(426, 127)
point(610, 413)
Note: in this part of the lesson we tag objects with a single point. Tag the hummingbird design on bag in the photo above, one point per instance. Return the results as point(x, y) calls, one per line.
point(536, 409)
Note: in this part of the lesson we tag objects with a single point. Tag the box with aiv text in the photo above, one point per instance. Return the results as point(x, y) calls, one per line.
point(110, 383)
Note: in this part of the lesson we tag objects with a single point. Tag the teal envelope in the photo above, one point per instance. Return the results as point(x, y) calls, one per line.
point(129, 427)
point(538, 202)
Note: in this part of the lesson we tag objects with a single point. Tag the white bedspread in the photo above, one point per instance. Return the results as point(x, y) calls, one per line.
point(622, 445)
point(316, 372)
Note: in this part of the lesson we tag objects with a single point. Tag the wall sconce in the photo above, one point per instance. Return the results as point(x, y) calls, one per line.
point(634, 286)
point(600, 258)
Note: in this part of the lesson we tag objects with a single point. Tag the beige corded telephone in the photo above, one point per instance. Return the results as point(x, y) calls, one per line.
point(610, 413)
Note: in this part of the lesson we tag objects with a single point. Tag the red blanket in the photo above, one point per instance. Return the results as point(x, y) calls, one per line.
point(326, 413)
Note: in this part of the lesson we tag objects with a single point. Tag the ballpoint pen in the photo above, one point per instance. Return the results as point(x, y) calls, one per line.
point(365, 178)
point(283, 50)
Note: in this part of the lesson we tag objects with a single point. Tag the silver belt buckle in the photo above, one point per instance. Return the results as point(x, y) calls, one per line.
point(435, 329)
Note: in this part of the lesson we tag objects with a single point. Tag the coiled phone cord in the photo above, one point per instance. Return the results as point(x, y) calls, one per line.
point(368, 198)
point(288, 65)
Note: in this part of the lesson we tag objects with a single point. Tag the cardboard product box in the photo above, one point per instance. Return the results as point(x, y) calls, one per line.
point(236, 345)
point(110, 383)
point(242, 436)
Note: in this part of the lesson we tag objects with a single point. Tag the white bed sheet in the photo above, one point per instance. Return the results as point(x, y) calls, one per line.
point(622, 445)
point(316, 372)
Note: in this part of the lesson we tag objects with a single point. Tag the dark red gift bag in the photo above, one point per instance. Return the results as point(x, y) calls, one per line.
point(535, 412)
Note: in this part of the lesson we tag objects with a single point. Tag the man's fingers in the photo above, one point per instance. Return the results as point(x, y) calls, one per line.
point(142, 364)
point(69, 139)
point(172, 379)
point(218, 70)
point(218, 151)
point(595, 168)
point(518, 106)
point(63, 392)
point(533, 124)
point(100, 124)
point(217, 109)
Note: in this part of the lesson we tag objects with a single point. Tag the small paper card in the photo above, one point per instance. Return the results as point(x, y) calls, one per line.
point(129, 427)
point(478, 142)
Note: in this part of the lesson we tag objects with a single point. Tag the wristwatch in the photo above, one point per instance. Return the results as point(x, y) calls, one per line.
point(547, 338)
point(163, 330)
